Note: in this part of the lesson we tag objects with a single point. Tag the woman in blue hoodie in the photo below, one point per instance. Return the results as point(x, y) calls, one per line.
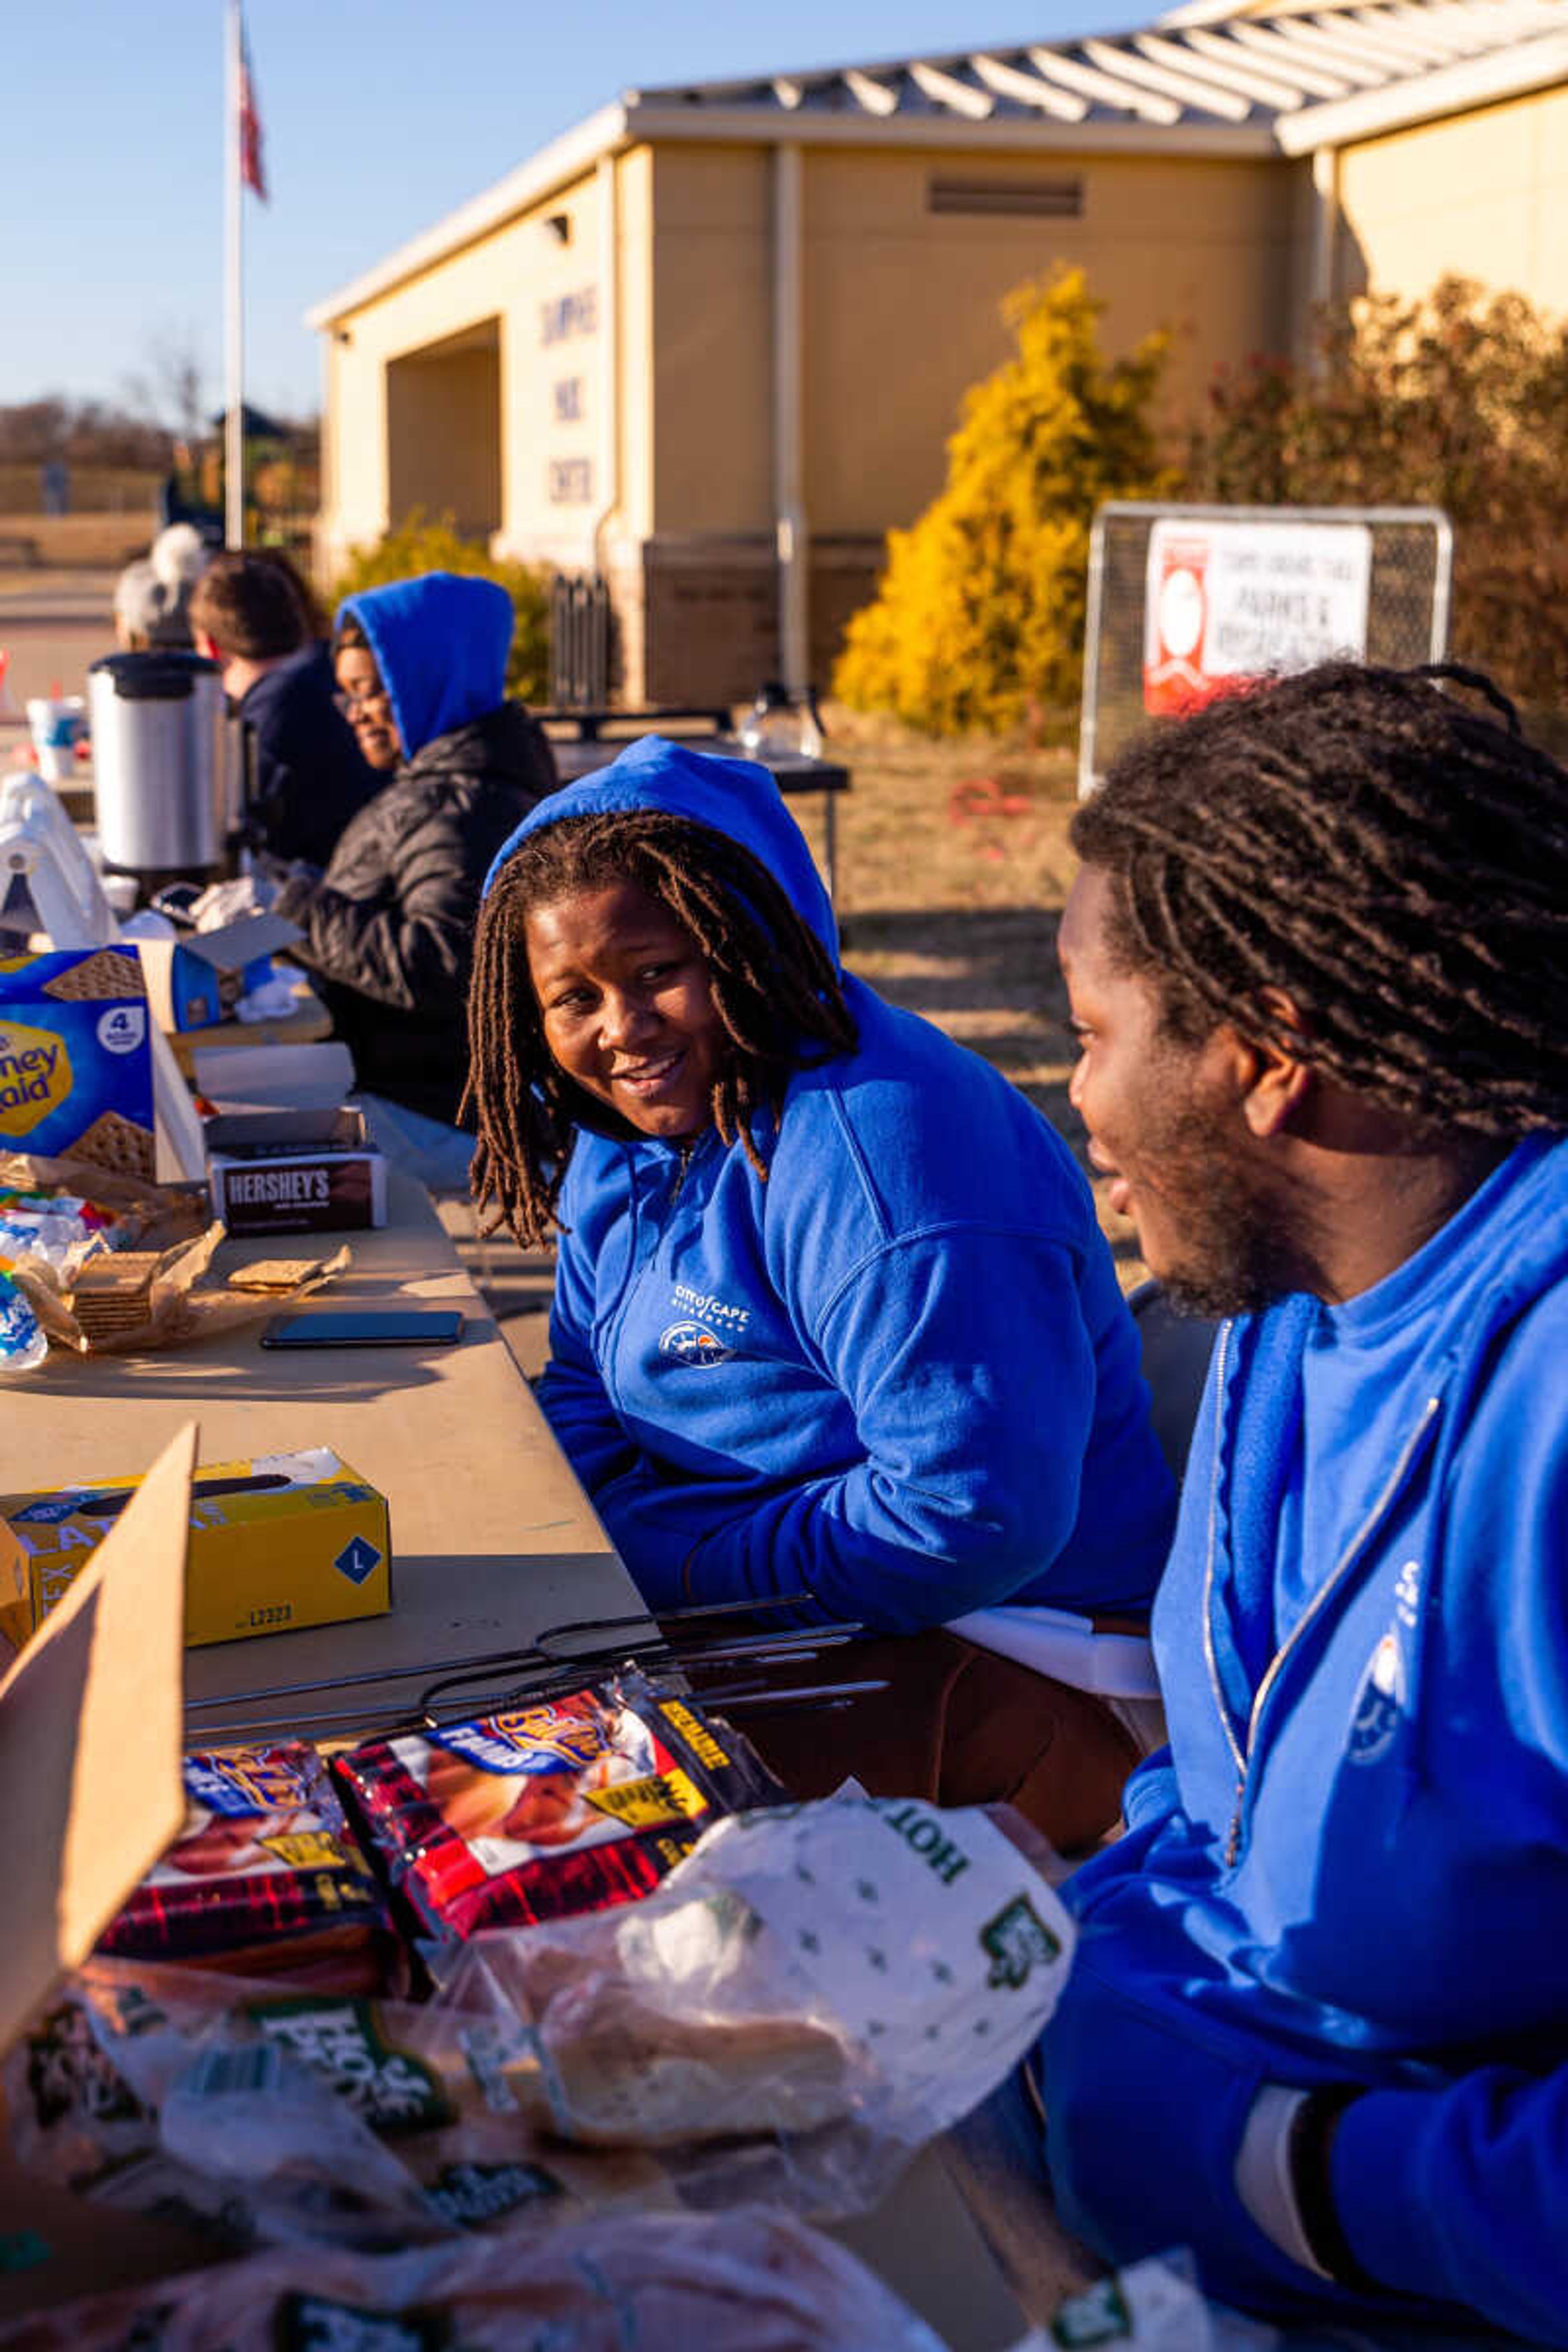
point(832, 1318)
point(1317, 2028)
point(388, 926)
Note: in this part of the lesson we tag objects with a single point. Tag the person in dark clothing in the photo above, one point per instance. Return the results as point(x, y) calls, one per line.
point(249, 615)
point(388, 927)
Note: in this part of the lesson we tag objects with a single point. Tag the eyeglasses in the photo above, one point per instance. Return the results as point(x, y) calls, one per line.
point(349, 703)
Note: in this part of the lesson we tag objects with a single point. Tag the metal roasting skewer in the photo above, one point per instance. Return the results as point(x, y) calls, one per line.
point(751, 1695)
point(555, 1665)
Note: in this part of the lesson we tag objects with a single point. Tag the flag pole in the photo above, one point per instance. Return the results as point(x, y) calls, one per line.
point(233, 323)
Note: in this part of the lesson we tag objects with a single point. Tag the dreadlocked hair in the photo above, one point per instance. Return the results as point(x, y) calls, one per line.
point(775, 989)
point(1392, 860)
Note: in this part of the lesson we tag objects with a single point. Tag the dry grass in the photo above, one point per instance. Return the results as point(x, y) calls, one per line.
point(953, 866)
point(72, 543)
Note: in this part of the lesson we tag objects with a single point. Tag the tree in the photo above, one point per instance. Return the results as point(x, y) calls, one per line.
point(171, 390)
point(980, 614)
point(417, 544)
point(1460, 401)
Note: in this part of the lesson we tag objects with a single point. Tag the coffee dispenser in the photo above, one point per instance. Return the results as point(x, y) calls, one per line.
point(167, 767)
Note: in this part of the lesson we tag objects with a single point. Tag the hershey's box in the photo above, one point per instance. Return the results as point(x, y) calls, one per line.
point(295, 1172)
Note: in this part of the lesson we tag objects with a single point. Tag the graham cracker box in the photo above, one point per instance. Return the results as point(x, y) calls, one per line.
point(75, 1059)
point(295, 1172)
point(285, 1540)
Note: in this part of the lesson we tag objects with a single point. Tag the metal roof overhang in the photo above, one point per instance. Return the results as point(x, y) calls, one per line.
point(1473, 82)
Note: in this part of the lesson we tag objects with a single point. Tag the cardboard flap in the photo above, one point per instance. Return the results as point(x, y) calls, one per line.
point(232, 946)
point(92, 1734)
point(274, 1077)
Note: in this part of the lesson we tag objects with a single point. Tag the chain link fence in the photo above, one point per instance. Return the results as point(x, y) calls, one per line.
point(1406, 602)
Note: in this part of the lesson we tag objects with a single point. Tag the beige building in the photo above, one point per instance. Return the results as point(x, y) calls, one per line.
point(709, 344)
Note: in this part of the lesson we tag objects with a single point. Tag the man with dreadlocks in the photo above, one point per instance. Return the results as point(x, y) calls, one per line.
point(832, 1318)
point(1318, 2026)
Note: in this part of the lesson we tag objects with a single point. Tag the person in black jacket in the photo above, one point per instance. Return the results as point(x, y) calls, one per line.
point(248, 614)
point(388, 927)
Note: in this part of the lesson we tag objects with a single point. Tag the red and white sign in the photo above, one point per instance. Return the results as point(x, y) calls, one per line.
point(1225, 602)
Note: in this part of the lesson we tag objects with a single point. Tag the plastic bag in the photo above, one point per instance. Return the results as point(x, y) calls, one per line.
point(24, 1342)
point(835, 1982)
point(751, 2281)
point(1155, 2305)
point(265, 2118)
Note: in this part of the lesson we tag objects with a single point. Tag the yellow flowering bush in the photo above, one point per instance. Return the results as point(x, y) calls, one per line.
point(418, 544)
point(980, 614)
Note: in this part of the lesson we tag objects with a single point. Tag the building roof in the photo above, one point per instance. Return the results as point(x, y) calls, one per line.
point(1209, 77)
point(1208, 62)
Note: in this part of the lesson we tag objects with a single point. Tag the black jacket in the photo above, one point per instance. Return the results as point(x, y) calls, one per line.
point(310, 777)
point(389, 927)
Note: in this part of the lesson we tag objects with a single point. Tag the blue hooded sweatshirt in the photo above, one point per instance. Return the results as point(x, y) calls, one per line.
point(1352, 1864)
point(440, 643)
point(898, 1376)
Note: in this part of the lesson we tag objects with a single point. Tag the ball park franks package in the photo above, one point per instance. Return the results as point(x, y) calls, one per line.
point(264, 1880)
point(570, 1805)
point(75, 1059)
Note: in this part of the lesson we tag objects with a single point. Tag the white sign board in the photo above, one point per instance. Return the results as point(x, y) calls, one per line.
point(1225, 602)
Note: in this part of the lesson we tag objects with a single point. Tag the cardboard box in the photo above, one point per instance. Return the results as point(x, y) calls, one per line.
point(195, 981)
point(92, 1793)
point(295, 1172)
point(75, 1059)
point(286, 1539)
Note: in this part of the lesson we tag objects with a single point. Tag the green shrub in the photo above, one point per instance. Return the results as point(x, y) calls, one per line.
point(418, 545)
point(980, 615)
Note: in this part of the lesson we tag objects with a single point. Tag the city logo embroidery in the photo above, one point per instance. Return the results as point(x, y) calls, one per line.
point(1380, 1705)
point(708, 1306)
point(691, 1343)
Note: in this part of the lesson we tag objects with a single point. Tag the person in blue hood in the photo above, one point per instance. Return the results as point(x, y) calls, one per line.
point(1317, 2029)
point(832, 1318)
point(388, 926)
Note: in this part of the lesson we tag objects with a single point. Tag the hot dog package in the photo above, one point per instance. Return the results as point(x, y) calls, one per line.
point(264, 1880)
point(575, 1804)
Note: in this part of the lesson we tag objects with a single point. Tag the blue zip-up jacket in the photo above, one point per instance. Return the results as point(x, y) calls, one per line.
point(1352, 1864)
point(898, 1375)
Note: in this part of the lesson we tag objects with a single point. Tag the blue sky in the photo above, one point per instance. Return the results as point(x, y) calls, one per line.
point(379, 116)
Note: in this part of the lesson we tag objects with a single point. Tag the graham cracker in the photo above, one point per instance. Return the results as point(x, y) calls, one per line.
point(275, 1273)
point(116, 1142)
point(110, 973)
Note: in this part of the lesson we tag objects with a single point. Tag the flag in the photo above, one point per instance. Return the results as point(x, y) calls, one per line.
point(252, 171)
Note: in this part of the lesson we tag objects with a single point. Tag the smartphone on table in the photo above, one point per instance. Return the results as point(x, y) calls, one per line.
point(377, 1326)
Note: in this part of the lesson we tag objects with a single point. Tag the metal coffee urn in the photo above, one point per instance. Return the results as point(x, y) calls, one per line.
point(165, 764)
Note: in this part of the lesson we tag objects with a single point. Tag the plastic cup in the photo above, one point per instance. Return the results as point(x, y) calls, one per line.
point(57, 725)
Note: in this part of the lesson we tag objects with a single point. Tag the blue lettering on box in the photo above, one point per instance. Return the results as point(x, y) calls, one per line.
point(51, 1510)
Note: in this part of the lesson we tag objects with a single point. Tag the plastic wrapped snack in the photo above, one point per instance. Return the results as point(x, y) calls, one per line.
point(572, 1805)
point(24, 1343)
point(748, 2282)
point(264, 1880)
point(59, 1231)
point(258, 2117)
